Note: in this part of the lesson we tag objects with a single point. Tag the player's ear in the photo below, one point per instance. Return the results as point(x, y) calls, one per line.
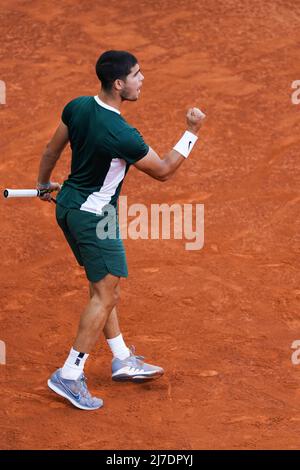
point(118, 84)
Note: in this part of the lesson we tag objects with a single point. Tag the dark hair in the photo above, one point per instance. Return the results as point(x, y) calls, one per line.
point(112, 65)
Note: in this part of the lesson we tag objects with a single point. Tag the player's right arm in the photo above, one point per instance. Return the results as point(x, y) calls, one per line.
point(49, 159)
point(163, 168)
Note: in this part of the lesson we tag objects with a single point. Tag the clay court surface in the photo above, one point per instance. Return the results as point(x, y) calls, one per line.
point(220, 320)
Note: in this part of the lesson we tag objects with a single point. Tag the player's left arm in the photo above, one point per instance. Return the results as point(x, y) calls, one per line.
point(50, 157)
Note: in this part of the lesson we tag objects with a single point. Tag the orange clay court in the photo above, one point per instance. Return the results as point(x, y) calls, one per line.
point(220, 320)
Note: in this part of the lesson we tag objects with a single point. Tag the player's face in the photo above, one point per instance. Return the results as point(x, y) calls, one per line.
point(132, 84)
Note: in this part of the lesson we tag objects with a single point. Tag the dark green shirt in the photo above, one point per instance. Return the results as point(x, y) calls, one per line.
point(103, 147)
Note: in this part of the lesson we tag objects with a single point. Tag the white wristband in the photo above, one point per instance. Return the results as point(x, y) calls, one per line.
point(185, 145)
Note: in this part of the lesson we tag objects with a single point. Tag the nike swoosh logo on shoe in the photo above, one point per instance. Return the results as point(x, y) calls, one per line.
point(75, 395)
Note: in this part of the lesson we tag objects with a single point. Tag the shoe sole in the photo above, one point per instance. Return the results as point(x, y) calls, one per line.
point(57, 390)
point(136, 378)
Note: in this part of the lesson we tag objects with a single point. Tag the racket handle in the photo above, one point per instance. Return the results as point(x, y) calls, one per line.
point(21, 193)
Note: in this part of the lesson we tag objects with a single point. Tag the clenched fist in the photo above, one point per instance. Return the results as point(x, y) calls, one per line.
point(194, 118)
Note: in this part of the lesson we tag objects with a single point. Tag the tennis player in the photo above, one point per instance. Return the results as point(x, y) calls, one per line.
point(104, 146)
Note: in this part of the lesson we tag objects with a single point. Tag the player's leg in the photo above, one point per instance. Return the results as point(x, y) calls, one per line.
point(69, 381)
point(111, 328)
point(126, 366)
point(104, 298)
point(112, 332)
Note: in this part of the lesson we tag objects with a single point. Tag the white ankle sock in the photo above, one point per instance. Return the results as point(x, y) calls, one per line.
point(73, 367)
point(118, 347)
